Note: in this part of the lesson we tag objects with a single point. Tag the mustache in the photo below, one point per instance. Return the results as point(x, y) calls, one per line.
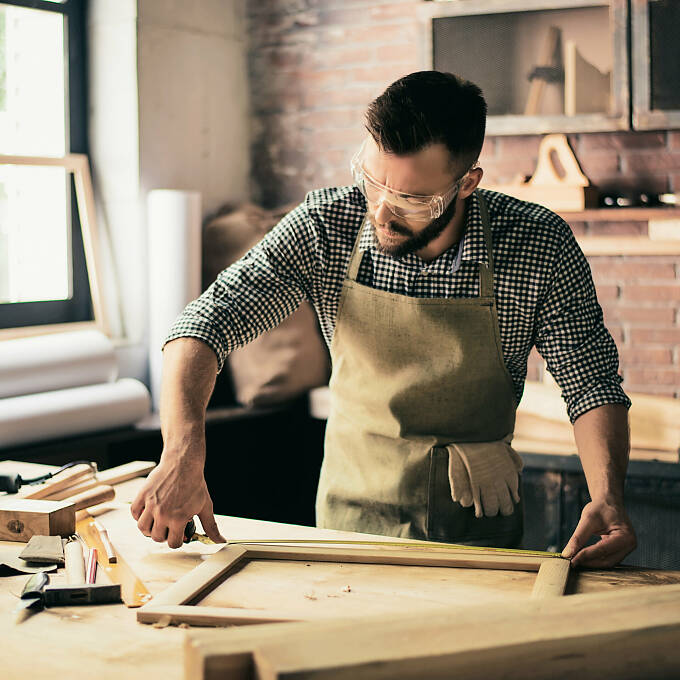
point(396, 228)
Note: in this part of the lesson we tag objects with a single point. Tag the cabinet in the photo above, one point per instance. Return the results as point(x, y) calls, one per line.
point(561, 65)
point(656, 63)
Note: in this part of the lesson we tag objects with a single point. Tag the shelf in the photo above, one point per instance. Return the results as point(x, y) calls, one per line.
point(621, 215)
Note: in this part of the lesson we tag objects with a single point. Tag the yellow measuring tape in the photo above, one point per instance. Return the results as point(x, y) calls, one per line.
point(410, 544)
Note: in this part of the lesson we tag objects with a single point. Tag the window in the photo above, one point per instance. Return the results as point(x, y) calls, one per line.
point(43, 112)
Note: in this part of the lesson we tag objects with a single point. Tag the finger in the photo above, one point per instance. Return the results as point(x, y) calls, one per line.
point(210, 525)
point(514, 487)
point(489, 501)
point(176, 535)
point(145, 522)
point(137, 507)
point(159, 531)
point(607, 552)
point(584, 530)
point(507, 507)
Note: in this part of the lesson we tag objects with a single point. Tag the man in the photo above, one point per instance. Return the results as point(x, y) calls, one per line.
point(430, 293)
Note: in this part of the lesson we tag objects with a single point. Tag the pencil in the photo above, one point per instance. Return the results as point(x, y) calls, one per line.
point(92, 566)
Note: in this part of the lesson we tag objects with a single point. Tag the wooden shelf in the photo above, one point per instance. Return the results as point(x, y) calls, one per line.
point(621, 214)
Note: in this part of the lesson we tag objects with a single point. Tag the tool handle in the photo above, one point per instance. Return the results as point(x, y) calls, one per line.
point(100, 494)
point(75, 564)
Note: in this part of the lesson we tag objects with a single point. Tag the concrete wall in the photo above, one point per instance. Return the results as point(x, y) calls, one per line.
point(169, 110)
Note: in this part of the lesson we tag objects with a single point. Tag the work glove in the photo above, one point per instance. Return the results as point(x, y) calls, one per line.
point(486, 474)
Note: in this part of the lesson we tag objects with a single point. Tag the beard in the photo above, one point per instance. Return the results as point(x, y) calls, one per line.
point(416, 240)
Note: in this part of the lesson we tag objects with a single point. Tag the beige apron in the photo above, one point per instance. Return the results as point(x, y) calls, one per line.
point(411, 375)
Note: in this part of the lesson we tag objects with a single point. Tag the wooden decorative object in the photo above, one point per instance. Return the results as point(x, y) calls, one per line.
point(586, 89)
point(174, 605)
point(569, 192)
point(77, 164)
point(21, 518)
point(625, 634)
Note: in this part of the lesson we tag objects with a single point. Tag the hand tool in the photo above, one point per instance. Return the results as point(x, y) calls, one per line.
point(91, 575)
point(190, 534)
point(75, 564)
point(133, 591)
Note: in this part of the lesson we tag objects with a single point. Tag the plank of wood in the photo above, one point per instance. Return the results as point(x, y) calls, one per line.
point(112, 476)
point(60, 481)
point(546, 58)
point(95, 496)
point(21, 518)
point(637, 628)
point(133, 592)
point(551, 580)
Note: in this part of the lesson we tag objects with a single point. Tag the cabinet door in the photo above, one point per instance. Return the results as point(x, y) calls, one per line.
point(543, 65)
point(655, 63)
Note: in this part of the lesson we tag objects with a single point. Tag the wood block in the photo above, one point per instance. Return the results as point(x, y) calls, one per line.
point(627, 634)
point(21, 518)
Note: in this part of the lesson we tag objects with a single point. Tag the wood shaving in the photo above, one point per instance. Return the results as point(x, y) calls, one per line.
point(310, 596)
point(347, 589)
point(163, 621)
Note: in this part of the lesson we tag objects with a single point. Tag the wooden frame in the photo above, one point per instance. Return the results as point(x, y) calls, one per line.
point(624, 634)
point(174, 605)
point(516, 124)
point(78, 166)
point(644, 116)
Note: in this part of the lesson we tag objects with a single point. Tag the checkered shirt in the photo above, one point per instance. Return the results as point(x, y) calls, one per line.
point(542, 283)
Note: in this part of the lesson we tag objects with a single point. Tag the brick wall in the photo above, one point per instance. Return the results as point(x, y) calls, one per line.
point(314, 66)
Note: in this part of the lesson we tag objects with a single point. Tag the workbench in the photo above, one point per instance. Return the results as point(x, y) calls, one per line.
point(106, 641)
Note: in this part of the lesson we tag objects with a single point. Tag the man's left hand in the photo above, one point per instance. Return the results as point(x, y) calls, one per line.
point(608, 520)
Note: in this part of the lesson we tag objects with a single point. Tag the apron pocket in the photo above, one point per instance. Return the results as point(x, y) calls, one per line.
point(450, 522)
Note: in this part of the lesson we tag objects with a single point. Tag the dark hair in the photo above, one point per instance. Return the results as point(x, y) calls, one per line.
point(429, 107)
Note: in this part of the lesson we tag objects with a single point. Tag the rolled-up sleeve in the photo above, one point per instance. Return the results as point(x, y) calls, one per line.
point(257, 292)
point(571, 336)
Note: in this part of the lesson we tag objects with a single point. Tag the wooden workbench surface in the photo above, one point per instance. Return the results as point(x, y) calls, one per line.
point(106, 641)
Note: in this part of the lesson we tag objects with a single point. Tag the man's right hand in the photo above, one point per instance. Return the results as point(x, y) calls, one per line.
point(173, 493)
point(176, 490)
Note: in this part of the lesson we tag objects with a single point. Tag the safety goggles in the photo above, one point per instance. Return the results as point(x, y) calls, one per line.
point(410, 207)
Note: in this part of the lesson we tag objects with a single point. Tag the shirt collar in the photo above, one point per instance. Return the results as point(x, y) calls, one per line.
point(473, 245)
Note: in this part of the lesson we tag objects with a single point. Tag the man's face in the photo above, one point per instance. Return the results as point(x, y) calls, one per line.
point(426, 172)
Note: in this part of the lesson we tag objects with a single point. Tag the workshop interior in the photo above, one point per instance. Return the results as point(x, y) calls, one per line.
point(156, 152)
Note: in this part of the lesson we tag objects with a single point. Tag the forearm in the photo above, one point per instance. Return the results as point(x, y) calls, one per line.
point(189, 373)
point(603, 442)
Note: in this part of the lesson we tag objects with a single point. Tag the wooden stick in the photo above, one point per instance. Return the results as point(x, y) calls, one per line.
point(112, 476)
point(104, 536)
point(100, 494)
point(60, 481)
point(551, 580)
point(210, 616)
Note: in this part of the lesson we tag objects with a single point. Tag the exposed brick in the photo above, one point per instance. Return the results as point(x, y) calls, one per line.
point(382, 75)
point(632, 271)
point(674, 184)
point(607, 292)
point(653, 376)
point(655, 336)
point(634, 183)
point(658, 390)
point(579, 228)
point(618, 228)
point(596, 165)
point(656, 293)
point(599, 141)
point(369, 35)
point(674, 140)
point(356, 95)
point(325, 120)
point(513, 147)
point(505, 170)
point(635, 356)
point(321, 140)
point(406, 52)
point(323, 80)
point(394, 10)
point(633, 316)
point(651, 162)
point(336, 57)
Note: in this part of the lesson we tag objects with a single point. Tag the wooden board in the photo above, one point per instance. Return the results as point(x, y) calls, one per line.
point(175, 604)
point(21, 518)
point(623, 635)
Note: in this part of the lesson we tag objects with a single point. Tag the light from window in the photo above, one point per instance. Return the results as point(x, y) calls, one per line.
point(35, 261)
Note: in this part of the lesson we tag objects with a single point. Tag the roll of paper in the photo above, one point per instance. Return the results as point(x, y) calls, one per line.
point(174, 230)
point(54, 362)
point(78, 410)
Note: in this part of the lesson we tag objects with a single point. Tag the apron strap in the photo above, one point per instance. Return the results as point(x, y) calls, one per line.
point(356, 256)
point(485, 273)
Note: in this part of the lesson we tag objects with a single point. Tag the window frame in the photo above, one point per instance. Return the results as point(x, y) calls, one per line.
point(24, 318)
